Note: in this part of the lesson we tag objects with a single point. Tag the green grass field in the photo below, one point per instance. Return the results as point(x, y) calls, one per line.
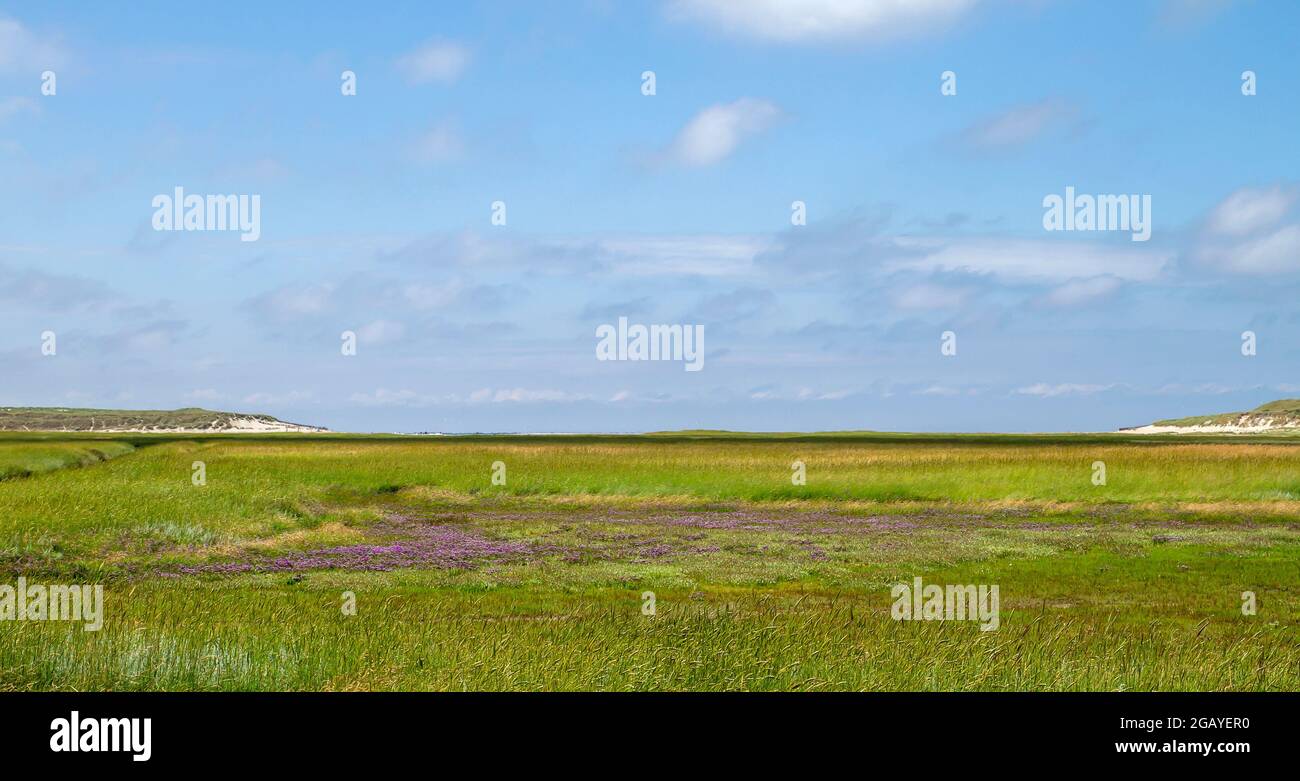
point(460, 583)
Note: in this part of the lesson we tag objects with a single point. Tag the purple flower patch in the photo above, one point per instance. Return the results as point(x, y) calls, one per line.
point(422, 545)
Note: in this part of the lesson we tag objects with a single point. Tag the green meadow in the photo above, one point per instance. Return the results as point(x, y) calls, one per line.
point(657, 562)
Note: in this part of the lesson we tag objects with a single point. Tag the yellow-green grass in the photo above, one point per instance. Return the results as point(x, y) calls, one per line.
point(25, 458)
point(759, 584)
point(268, 634)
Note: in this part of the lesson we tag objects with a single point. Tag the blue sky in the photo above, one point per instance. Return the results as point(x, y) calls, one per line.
point(924, 211)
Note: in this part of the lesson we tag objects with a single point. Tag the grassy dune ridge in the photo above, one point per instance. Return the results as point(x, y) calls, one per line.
point(759, 584)
point(79, 419)
point(1278, 412)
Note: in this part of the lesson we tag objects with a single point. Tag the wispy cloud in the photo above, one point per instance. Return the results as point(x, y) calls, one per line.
point(1029, 259)
point(1245, 233)
point(406, 397)
point(614, 254)
point(12, 107)
point(1063, 389)
point(928, 296)
point(21, 49)
point(31, 288)
point(1177, 14)
point(380, 332)
point(293, 301)
point(1275, 252)
point(1081, 291)
point(733, 306)
point(1250, 209)
point(270, 399)
point(715, 132)
point(436, 61)
point(443, 143)
point(800, 21)
point(152, 338)
point(1019, 125)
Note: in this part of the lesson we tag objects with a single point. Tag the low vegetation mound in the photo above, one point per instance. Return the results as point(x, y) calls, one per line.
point(190, 419)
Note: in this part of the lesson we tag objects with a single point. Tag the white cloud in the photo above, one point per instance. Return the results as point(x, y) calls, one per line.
point(155, 337)
point(1018, 125)
point(808, 394)
point(1079, 291)
point(523, 395)
point(928, 296)
point(204, 394)
point(23, 288)
point(10, 107)
point(1176, 14)
point(438, 60)
point(292, 301)
point(1218, 389)
point(23, 50)
point(1044, 390)
point(409, 398)
point(704, 254)
point(772, 393)
point(441, 144)
point(1242, 232)
point(1275, 252)
point(714, 133)
point(1249, 210)
point(618, 254)
point(797, 21)
point(1033, 259)
point(642, 398)
point(382, 397)
point(279, 399)
point(425, 295)
point(381, 331)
